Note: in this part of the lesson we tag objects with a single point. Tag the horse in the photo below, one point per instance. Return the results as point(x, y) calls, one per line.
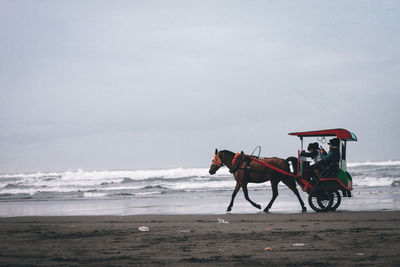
point(245, 170)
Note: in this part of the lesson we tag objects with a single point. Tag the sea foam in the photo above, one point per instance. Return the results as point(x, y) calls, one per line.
point(127, 183)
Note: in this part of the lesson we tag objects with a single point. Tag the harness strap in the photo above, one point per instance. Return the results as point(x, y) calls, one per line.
point(272, 167)
point(240, 156)
point(236, 161)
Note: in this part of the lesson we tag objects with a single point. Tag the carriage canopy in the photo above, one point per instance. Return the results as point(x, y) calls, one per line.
point(340, 133)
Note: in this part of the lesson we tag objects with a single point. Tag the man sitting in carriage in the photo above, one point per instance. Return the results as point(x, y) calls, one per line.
point(316, 154)
point(329, 165)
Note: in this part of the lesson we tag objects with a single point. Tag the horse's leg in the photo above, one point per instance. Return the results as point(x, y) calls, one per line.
point(246, 195)
point(274, 186)
point(237, 187)
point(289, 182)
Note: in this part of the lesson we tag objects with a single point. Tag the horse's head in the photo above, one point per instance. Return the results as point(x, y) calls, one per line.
point(216, 163)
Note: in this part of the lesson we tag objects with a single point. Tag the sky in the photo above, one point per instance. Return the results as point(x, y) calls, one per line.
point(107, 85)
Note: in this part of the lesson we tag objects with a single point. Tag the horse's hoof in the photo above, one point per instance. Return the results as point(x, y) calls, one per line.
point(266, 210)
point(258, 206)
point(304, 209)
point(228, 209)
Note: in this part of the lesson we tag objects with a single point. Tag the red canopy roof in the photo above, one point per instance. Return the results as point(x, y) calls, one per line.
point(339, 133)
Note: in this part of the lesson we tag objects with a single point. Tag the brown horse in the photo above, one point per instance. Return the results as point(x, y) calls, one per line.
point(247, 171)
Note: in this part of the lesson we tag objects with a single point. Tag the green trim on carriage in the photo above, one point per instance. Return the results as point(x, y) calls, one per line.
point(301, 168)
point(345, 181)
point(345, 177)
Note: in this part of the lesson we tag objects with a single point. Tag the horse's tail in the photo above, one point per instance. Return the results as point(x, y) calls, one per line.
point(293, 161)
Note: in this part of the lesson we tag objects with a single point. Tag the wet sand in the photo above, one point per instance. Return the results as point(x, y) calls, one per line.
point(326, 239)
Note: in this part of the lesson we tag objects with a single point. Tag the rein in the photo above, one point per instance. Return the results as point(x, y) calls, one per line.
point(273, 167)
point(237, 159)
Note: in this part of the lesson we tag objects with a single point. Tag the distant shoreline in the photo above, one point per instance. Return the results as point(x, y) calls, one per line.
point(76, 170)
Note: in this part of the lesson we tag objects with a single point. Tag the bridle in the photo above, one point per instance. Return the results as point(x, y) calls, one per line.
point(237, 160)
point(217, 161)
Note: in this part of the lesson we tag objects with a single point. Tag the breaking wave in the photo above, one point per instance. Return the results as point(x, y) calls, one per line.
point(121, 184)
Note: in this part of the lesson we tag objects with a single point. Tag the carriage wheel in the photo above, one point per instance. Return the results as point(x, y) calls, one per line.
point(320, 200)
point(336, 200)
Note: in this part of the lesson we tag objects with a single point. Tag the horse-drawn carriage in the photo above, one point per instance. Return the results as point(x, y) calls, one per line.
point(323, 195)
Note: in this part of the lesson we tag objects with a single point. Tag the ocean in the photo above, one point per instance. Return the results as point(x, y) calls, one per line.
point(176, 191)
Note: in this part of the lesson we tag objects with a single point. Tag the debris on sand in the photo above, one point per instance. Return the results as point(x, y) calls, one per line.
point(143, 229)
point(222, 221)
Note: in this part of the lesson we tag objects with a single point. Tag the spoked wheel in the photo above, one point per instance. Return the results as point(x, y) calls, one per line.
point(336, 200)
point(320, 200)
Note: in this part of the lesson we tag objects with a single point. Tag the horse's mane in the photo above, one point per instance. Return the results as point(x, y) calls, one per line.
point(227, 152)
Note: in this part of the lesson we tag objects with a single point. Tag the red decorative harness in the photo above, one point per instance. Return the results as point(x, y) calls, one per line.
point(235, 158)
point(216, 161)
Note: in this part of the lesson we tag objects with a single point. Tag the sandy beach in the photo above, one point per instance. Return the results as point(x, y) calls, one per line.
point(328, 239)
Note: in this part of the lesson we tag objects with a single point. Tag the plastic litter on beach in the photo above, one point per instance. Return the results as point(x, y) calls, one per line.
point(222, 221)
point(268, 249)
point(184, 231)
point(360, 254)
point(143, 229)
point(298, 244)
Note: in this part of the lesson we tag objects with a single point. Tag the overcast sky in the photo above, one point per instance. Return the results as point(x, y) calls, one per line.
point(161, 84)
